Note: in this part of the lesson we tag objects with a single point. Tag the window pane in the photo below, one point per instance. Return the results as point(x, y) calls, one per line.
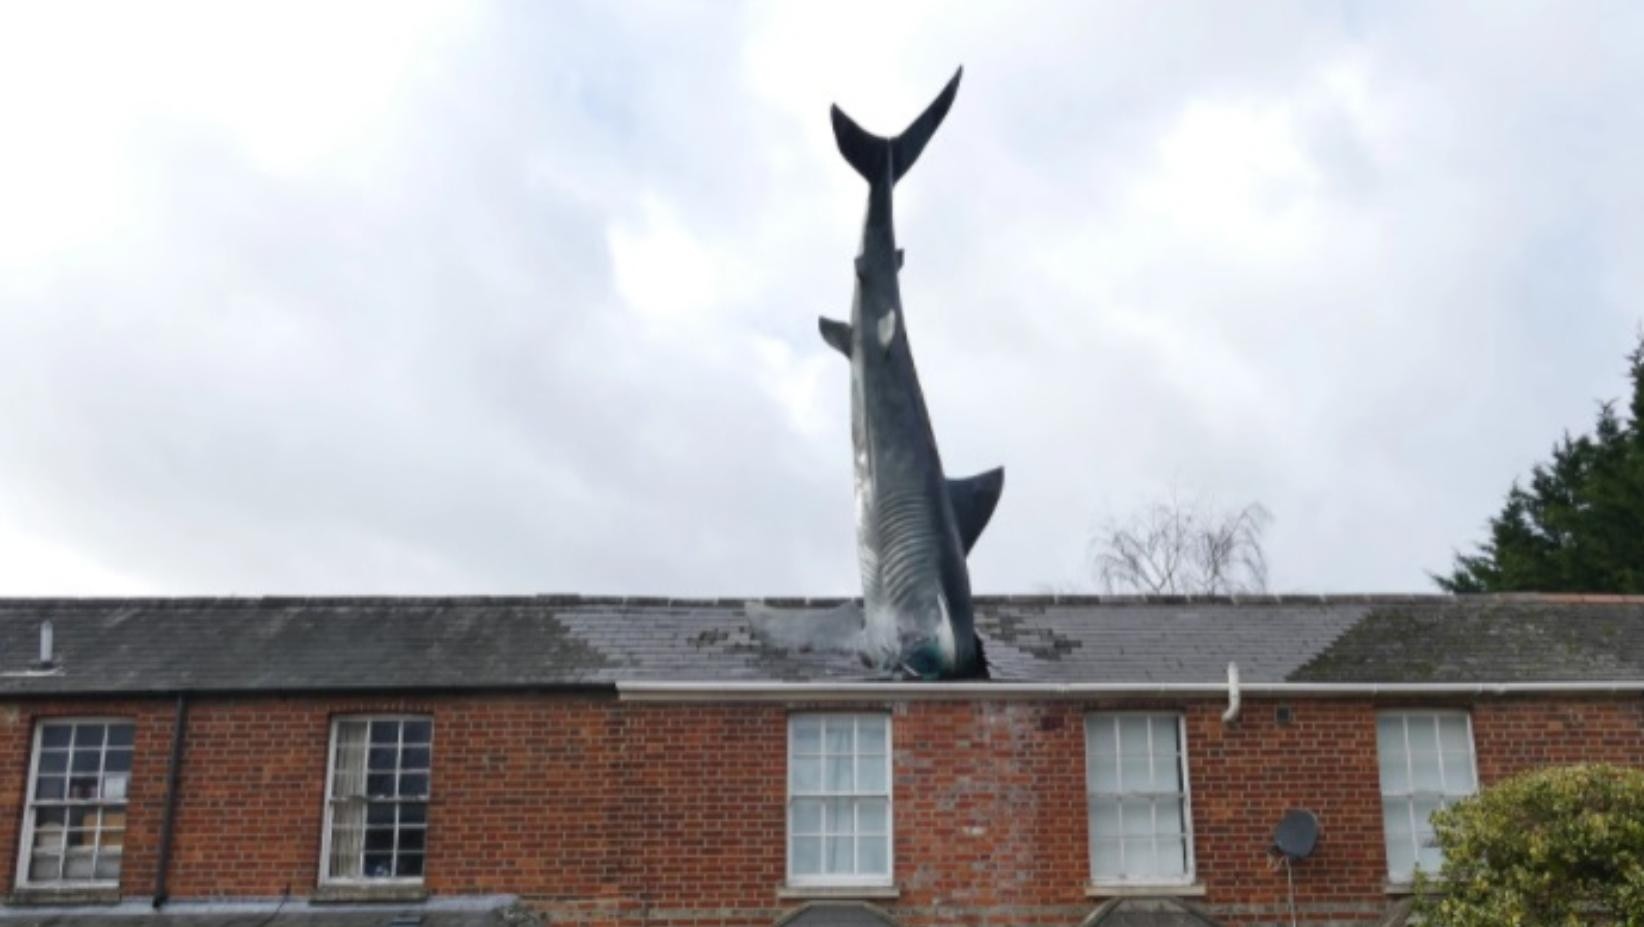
point(1429, 858)
point(112, 840)
point(1135, 773)
point(806, 816)
point(872, 855)
point(418, 731)
point(380, 814)
point(807, 774)
point(807, 735)
point(1458, 774)
point(347, 839)
point(114, 786)
point(836, 735)
point(1104, 736)
point(82, 787)
point(50, 788)
point(117, 761)
point(1401, 856)
point(1105, 861)
point(383, 758)
point(413, 813)
point(1105, 817)
point(1139, 859)
point(840, 854)
point(870, 775)
point(1395, 815)
point(1164, 736)
point(54, 761)
point(1167, 817)
point(380, 785)
point(1424, 773)
point(413, 785)
point(45, 868)
point(409, 866)
point(1137, 818)
point(1423, 733)
point(411, 839)
point(1424, 808)
point(1453, 734)
point(839, 816)
point(806, 853)
point(839, 774)
point(1104, 774)
point(1395, 777)
point(379, 839)
point(873, 816)
point(870, 734)
point(385, 732)
point(1167, 774)
point(414, 758)
point(378, 865)
point(86, 761)
point(56, 735)
point(77, 864)
point(120, 735)
point(108, 865)
point(88, 735)
point(48, 839)
point(1133, 734)
point(1171, 858)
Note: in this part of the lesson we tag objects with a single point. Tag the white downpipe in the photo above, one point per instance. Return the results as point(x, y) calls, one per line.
point(1232, 713)
point(707, 691)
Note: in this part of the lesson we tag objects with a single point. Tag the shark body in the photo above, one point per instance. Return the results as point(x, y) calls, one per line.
point(914, 526)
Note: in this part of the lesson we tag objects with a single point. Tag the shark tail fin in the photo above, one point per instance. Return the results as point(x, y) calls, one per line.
point(868, 153)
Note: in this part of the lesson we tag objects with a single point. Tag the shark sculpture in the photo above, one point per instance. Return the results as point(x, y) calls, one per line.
point(914, 526)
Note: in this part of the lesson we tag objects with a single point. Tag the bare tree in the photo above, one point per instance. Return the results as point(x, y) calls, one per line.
point(1176, 548)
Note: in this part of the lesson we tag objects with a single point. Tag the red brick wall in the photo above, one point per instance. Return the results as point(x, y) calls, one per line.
point(625, 813)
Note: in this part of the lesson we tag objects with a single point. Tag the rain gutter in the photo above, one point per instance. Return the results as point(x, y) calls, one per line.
point(704, 691)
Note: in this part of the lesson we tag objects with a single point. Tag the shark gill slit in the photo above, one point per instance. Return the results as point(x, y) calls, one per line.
point(905, 534)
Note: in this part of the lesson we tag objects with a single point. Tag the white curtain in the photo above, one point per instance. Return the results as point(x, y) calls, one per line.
point(348, 802)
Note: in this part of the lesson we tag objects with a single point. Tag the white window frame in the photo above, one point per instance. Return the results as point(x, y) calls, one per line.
point(25, 847)
point(1190, 862)
point(326, 878)
point(1446, 797)
point(830, 880)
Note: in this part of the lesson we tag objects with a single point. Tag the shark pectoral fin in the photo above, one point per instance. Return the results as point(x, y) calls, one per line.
point(836, 333)
point(837, 629)
point(887, 329)
point(974, 499)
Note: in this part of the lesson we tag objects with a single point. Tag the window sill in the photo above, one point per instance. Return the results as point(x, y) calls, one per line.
point(343, 893)
point(838, 892)
point(66, 895)
point(1139, 890)
point(1409, 888)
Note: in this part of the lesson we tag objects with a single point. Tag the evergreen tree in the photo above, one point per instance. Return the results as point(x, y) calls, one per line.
point(1579, 525)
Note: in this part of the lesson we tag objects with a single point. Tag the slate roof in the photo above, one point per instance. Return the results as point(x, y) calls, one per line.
point(421, 643)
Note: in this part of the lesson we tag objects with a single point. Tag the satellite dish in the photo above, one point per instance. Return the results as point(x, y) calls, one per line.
point(1296, 834)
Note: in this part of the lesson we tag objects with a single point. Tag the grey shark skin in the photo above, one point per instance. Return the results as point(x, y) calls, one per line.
point(914, 526)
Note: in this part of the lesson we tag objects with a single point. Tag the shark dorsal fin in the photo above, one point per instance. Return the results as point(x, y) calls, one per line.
point(973, 501)
point(887, 329)
point(836, 333)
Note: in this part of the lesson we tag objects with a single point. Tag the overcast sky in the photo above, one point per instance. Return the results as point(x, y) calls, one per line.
point(349, 298)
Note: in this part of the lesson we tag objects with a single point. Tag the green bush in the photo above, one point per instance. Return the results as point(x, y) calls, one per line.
point(1559, 847)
